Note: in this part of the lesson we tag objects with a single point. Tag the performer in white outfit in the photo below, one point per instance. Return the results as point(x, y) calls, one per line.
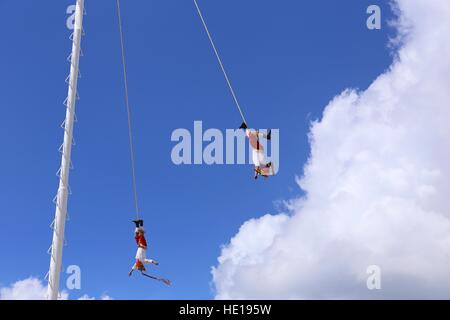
point(262, 167)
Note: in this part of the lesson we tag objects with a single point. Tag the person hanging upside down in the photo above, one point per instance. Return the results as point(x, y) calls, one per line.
point(141, 254)
point(262, 167)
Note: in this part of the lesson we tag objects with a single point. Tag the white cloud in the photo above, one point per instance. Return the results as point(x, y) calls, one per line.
point(28, 289)
point(34, 289)
point(377, 187)
point(102, 297)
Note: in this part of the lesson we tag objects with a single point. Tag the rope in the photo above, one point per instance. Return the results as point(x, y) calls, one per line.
point(130, 134)
point(220, 61)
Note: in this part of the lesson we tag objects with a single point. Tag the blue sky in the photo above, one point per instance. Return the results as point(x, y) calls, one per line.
point(286, 61)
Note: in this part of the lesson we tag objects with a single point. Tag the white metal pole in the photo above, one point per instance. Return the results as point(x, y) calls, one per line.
point(63, 190)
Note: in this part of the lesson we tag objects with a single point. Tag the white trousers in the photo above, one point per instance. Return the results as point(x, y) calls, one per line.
point(141, 255)
point(258, 158)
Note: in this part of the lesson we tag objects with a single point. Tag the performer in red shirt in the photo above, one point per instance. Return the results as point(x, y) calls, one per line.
point(262, 167)
point(141, 254)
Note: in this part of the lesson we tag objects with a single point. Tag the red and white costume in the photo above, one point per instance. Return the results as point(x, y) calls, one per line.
point(258, 157)
point(141, 254)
